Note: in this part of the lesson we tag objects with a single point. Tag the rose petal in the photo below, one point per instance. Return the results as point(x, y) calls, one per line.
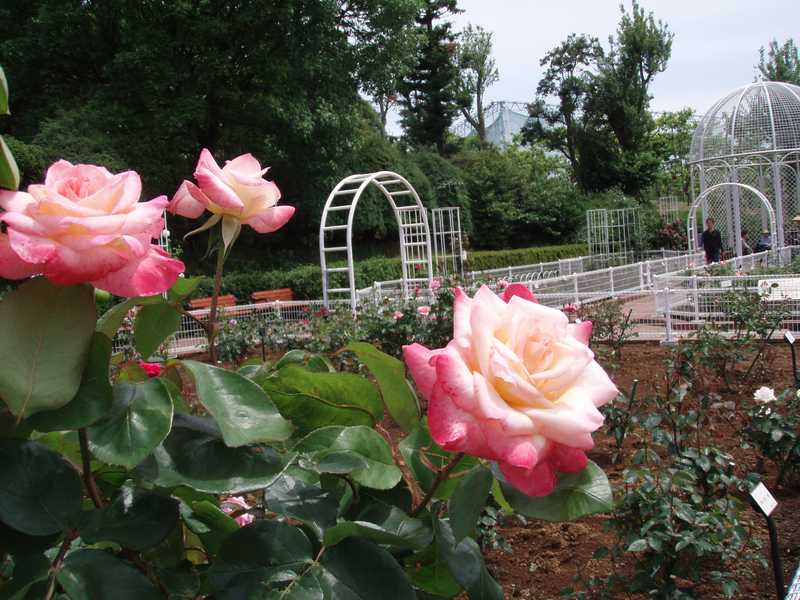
point(153, 274)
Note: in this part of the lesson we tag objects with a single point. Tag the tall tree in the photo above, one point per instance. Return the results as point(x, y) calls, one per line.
point(779, 62)
point(670, 142)
point(568, 77)
point(429, 91)
point(478, 71)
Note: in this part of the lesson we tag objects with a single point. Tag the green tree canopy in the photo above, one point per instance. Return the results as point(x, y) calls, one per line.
point(779, 62)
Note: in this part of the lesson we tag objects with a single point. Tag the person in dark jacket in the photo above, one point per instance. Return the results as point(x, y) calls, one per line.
point(711, 240)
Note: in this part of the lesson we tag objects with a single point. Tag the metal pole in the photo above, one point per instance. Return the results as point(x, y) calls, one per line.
point(667, 315)
point(777, 564)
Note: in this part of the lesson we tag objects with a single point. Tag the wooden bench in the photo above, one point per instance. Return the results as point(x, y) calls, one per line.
point(229, 300)
point(283, 294)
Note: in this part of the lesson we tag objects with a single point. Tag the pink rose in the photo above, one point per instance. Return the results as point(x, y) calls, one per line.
point(238, 190)
point(233, 504)
point(502, 284)
point(396, 315)
point(424, 310)
point(152, 369)
point(85, 225)
point(436, 283)
point(517, 385)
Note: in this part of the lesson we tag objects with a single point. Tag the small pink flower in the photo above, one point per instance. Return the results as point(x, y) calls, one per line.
point(569, 308)
point(152, 369)
point(424, 310)
point(233, 504)
point(396, 315)
point(233, 323)
point(436, 284)
point(502, 284)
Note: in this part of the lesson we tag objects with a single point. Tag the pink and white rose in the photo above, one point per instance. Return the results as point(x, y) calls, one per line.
point(397, 315)
point(517, 384)
point(86, 225)
point(424, 310)
point(236, 190)
point(233, 504)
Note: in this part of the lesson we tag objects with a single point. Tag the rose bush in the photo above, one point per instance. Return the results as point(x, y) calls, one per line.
point(518, 385)
point(86, 225)
point(236, 190)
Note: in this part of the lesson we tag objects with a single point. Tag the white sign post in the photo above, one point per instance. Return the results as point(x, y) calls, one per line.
point(765, 503)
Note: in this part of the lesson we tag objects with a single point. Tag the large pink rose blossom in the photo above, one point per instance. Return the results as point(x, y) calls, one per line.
point(517, 384)
point(236, 190)
point(85, 225)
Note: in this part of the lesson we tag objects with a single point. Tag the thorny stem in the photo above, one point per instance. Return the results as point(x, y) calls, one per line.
point(212, 311)
point(88, 478)
point(441, 477)
point(59, 560)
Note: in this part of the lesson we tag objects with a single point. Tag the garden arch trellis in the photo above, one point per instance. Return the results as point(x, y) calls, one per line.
point(735, 211)
point(336, 232)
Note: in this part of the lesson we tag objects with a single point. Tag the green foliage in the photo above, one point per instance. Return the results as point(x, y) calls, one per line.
point(478, 71)
point(773, 430)
point(497, 259)
point(780, 62)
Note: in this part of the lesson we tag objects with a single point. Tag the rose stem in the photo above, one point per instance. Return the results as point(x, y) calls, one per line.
point(212, 311)
point(441, 477)
point(88, 478)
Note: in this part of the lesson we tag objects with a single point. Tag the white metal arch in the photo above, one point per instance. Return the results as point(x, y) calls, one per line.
point(412, 225)
point(691, 220)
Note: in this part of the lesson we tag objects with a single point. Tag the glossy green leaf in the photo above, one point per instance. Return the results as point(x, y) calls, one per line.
point(111, 320)
point(575, 496)
point(135, 519)
point(244, 413)
point(468, 500)
point(216, 525)
point(9, 171)
point(140, 419)
point(94, 397)
point(195, 455)
point(390, 373)
point(40, 492)
point(19, 544)
point(358, 569)
point(465, 562)
point(27, 571)
point(3, 93)
point(366, 444)
point(95, 574)
point(154, 324)
point(430, 573)
point(291, 497)
point(183, 287)
point(421, 453)
point(45, 334)
point(312, 400)
point(252, 556)
point(311, 362)
point(383, 525)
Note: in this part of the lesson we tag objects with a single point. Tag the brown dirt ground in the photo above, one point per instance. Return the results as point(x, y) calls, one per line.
point(547, 557)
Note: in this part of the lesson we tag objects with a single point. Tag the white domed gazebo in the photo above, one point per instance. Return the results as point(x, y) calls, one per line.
point(749, 141)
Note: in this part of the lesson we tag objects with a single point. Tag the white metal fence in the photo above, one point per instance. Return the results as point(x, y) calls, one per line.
point(666, 297)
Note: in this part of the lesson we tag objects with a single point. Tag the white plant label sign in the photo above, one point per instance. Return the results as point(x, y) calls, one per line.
point(765, 500)
point(789, 337)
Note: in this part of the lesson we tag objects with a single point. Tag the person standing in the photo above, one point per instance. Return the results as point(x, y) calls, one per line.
point(711, 240)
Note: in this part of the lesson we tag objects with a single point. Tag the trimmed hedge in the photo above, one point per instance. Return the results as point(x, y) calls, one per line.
point(306, 281)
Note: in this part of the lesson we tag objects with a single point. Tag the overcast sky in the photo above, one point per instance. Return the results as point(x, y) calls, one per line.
point(715, 47)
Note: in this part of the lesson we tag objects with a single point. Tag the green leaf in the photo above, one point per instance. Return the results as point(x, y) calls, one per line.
point(242, 410)
point(358, 569)
point(639, 545)
point(95, 574)
point(212, 220)
point(27, 571)
point(195, 455)
point(430, 573)
point(311, 362)
point(18, 544)
point(40, 492)
point(420, 452)
point(45, 334)
point(154, 324)
point(183, 287)
point(112, 319)
point(139, 420)
point(94, 397)
point(312, 400)
point(576, 495)
point(250, 557)
point(135, 519)
point(383, 524)
point(467, 502)
point(217, 526)
point(466, 564)
point(390, 373)
point(366, 444)
point(3, 93)
point(291, 497)
point(9, 171)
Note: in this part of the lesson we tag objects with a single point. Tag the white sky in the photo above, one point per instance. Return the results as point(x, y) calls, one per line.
point(714, 51)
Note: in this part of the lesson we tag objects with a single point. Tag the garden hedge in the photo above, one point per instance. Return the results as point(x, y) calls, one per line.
point(306, 281)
